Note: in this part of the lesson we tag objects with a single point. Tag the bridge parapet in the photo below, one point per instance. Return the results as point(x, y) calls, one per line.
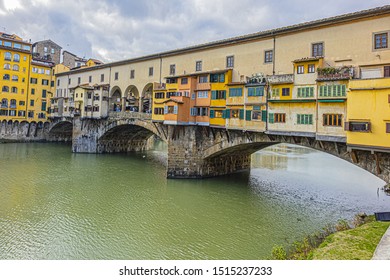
point(129, 115)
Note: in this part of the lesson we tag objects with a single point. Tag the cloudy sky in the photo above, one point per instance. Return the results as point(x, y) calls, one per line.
point(113, 30)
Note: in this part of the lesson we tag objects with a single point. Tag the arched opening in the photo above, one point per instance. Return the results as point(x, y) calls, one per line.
point(146, 98)
point(116, 100)
point(62, 132)
point(132, 99)
point(126, 138)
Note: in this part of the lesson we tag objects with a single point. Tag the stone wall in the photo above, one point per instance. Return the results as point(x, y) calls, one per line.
point(23, 131)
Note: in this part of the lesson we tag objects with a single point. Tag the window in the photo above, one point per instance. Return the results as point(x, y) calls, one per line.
point(7, 66)
point(4, 103)
point(159, 111)
point(43, 107)
point(198, 66)
point(90, 79)
point(15, 67)
point(69, 81)
point(53, 51)
point(381, 41)
point(235, 92)
point(6, 77)
point(386, 72)
point(33, 91)
point(132, 74)
point(304, 119)
point(14, 90)
point(268, 56)
point(203, 79)
point(16, 57)
point(258, 114)
point(230, 61)
point(95, 108)
point(317, 49)
point(7, 44)
point(15, 78)
point(102, 78)
point(203, 94)
point(311, 68)
point(58, 82)
point(184, 81)
point(78, 80)
point(256, 91)
point(5, 89)
point(306, 92)
point(7, 56)
point(17, 46)
point(44, 93)
point(332, 120)
point(277, 117)
point(387, 127)
point(218, 94)
point(300, 69)
point(45, 49)
point(216, 114)
point(285, 91)
point(46, 82)
point(201, 111)
point(172, 69)
point(150, 71)
point(32, 102)
point(117, 75)
point(22, 103)
point(358, 126)
point(89, 95)
point(170, 110)
point(21, 113)
point(332, 91)
point(217, 78)
point(159, 95)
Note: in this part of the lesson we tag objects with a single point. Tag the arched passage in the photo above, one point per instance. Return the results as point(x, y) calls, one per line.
point(132, 98)
point(125, 138)
point(147, 98)
point(61, 131)
point(116, 100)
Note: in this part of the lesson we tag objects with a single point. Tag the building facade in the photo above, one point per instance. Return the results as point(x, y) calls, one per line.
point(47, 50)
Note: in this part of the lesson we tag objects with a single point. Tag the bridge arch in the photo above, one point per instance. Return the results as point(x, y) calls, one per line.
point(61, 131)
point(132, 98)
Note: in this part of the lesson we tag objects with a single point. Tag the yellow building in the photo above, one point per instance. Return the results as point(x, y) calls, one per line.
point(256, 103)
point(219, 81)
point(368, 119)
point(15, 58)
point(41, 90)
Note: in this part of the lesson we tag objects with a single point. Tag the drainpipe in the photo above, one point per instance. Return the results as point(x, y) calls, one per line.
point(274, 55)
point(160, 78)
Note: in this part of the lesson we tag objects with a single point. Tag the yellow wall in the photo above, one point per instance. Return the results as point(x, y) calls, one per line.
point(368, 100)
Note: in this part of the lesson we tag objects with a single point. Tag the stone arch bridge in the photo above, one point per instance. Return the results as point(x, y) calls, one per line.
point(198, 151)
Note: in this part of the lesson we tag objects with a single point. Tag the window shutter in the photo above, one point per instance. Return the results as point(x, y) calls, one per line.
point(165, 110)
point(310, 119)
point(261, 91)
point(213, 94)
point(298, 119)
point(224, 94)
point(299, 92)
point(175, 110)
point(242, 112)
point(387, 72)
point(312, 92)
point(387, 127)
point(248, 116)
point(212, 114)
point(368, 126)
point(227, 114)
point(343, 90)
point(271, 117)
point(347, 126)
point(264, 116)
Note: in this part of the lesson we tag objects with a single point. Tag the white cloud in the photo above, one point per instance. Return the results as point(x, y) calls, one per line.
point(115, 29)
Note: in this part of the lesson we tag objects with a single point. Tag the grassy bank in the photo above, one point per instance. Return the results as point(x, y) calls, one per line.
point(354, 244)
point(339, 242)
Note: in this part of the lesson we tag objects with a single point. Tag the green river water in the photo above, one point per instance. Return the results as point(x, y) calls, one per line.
point(59, 205)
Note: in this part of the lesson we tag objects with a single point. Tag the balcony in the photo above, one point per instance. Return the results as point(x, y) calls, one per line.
point(203, 86)
point(335, 74)
point(281, 79)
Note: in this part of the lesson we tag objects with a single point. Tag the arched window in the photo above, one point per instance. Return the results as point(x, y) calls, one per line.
point(4, 103)
point(15, 78)
point(7, 66)
point(5, 89)
point(15, 67)
point(16, 57)
point(7, 56)
point(13, 104)
point(6, 77)
point(14, 90)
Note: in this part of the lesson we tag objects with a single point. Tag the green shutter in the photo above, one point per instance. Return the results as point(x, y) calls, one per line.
point(343, 90)
point(212, 114)
point(298, 119)
point(261, 91)
point(271, 117)
point(311, 91)
point(227, 114)
point(310, 119)
point(222, 78)
point(248, 116)
point(43, 106)
point(224, 94)
point(242, 112)
point(299, 92)
point(264, 116)
point(213, 94)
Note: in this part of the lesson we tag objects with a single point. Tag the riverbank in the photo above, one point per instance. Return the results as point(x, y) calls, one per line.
point(339, 242)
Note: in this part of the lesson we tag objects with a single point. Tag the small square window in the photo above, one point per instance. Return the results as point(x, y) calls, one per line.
point(132, 74)
point(381, 41)
point(172, 69)
point(116, 76)
point(300, 69)
point(311, 68)
point(150, 71)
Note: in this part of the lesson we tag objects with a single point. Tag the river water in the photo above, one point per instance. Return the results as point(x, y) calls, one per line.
point(59, 205)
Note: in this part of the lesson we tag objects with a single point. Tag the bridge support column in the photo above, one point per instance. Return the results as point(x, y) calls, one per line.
point(186, 146)
point(84, 140)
